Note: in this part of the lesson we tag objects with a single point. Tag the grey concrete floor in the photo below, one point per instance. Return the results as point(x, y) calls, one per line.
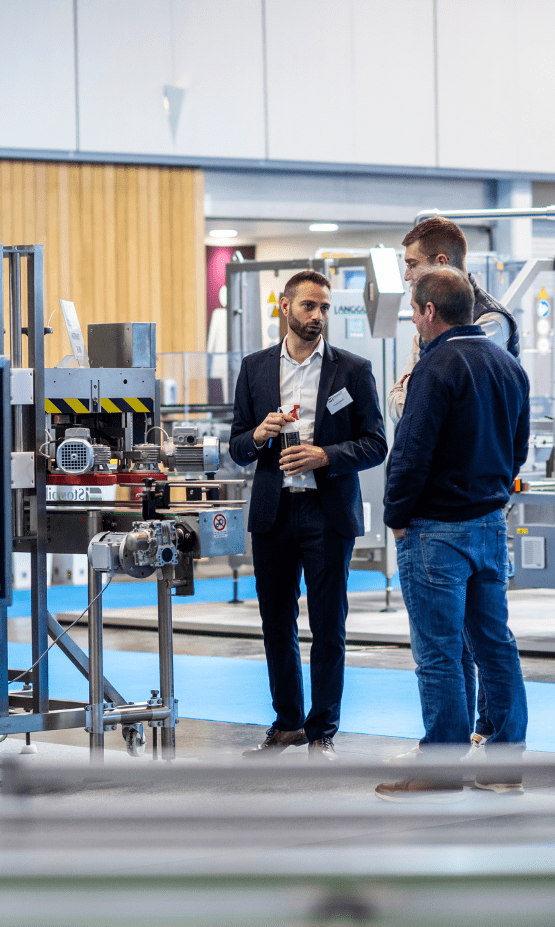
point(206, 740)
point(212, 817)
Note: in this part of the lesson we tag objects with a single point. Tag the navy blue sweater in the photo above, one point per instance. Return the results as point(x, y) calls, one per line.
point(464, 432)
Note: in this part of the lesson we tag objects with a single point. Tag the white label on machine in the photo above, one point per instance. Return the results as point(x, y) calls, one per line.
point(354, 328)
point(533, 553)
point(220, 525)
point(74, 333)
point(80, 493)
point(366, 511)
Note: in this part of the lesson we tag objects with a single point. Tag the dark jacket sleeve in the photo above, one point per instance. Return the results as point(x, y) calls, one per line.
point(522, 436)
point(242, 448)
point(367, 445)
point(415, 441)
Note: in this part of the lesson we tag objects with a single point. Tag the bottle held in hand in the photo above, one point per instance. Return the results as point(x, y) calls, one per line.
point(289, 434)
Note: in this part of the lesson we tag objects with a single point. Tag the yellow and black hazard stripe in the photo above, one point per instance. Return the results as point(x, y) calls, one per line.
point(82, 406)
point(129, 404)
point(63, 406)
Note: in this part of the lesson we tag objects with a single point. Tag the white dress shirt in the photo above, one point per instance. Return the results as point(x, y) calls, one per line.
point(299, 386)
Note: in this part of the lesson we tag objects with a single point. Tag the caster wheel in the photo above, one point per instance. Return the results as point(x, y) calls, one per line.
point(135, 741)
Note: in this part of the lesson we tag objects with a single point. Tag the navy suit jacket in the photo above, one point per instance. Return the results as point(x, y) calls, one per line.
point(353, 437)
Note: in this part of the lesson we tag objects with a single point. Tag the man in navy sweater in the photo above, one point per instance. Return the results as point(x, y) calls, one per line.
point(461, 442)
point(438, 241)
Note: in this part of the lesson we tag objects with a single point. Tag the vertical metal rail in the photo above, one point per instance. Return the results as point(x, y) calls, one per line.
point(6, 526)
point(165, 648)
point(4, 691)
point(16, 354)
point(4, 695)
point(34, 429)
point(2, 298)
point(96, 667)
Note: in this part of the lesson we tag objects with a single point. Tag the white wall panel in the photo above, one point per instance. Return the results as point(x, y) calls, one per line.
point(212, 48)
point(37, 101)
point(477, 78)
point(393, 91)
point(348, 81)
point(310, 80)
point(535, 77)
point(351, 81)
point(219, 59)
point(124, 62)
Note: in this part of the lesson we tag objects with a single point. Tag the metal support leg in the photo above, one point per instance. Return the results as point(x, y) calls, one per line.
point(388, 591)
point(165, 646)
point(4, 691)
point(96, 668)
point(235, 600)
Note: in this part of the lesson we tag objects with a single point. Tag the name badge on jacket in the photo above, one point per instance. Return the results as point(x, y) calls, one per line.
point(339, 400)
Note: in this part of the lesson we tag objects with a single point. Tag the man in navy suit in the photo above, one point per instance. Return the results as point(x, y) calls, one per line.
point(306, 508)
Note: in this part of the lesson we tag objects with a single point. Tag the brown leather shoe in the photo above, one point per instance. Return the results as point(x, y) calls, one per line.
point(420, 789)
point(322, 750)
point(276, 742)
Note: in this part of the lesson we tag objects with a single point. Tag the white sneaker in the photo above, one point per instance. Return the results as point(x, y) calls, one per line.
point(476, 752)
point(406, 757)
point(500, 787)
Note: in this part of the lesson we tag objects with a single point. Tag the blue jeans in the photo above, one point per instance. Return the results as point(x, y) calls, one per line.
point(454, 578)
point(482, 725)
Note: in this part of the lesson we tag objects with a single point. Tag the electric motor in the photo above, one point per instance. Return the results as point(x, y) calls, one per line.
point(146, 456)
point(102, 456)
point(75, 455)
point(199, 456)
point(138, 553)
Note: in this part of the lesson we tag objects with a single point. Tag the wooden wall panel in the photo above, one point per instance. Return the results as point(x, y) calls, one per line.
point(124, 243)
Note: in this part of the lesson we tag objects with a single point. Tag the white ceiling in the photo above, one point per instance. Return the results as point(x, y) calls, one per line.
point(255, 231)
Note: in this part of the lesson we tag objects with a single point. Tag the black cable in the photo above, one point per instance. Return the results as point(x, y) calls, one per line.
point(56, 639)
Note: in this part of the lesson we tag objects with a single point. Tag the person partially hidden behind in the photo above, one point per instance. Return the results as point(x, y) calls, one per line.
point(438, 242)
point(306, 507)
point(459, 445)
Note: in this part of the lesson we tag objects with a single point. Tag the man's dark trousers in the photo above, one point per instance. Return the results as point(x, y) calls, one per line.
point(314, 529)
point(302, 538)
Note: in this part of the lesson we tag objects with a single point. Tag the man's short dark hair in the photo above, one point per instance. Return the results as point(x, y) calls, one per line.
point(450, 290)
point(439, 236)
point(312, 276)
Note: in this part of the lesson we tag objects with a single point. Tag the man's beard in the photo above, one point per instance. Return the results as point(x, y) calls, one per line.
point(306, 332)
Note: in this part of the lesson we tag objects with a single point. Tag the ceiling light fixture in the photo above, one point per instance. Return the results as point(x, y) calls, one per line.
point(173, 99)
point(223, 233)
point(323, 227)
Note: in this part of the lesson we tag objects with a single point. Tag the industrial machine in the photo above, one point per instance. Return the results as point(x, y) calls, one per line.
point(532, 510)
point(370, 315)
point(92, 471)
point(367, 290)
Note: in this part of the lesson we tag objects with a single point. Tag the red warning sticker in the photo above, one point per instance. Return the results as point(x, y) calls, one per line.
point(220, 525)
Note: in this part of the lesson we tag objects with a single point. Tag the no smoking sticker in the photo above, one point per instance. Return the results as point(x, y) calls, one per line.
point(220, 526)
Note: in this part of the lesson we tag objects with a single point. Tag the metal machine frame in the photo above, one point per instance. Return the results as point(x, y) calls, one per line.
point(242, 339)
point(535, 533)
point(57, 525)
